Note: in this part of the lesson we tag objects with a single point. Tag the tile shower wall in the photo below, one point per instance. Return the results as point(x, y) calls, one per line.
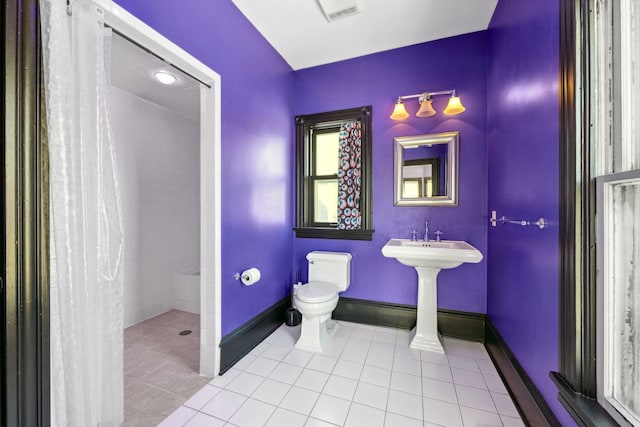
point(158, 163)
point(523, 151)
point(455, 63)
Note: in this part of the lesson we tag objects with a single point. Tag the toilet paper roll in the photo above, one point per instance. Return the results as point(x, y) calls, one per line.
point(250, 277)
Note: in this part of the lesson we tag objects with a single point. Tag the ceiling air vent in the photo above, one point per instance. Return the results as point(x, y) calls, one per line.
point(337, 9)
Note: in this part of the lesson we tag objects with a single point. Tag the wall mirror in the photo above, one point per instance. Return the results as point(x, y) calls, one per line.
point(426, 170)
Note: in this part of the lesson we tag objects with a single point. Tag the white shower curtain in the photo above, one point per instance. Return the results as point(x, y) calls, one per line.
point(86, 221)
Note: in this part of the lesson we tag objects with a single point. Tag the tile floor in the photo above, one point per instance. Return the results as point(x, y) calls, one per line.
point(160, 367)
point(368, 378)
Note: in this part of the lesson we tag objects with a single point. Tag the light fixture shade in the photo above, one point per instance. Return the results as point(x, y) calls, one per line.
point(399, 112)
point(454, 106)
point(426, 109)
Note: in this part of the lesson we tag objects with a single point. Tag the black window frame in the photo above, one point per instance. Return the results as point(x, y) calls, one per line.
point(577, 377)
point(307, 127)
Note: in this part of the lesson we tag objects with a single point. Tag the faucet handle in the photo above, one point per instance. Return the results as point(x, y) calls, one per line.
point(438, 234)
point(414, 235)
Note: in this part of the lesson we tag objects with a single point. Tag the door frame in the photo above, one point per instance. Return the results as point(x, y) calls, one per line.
point(210, 172)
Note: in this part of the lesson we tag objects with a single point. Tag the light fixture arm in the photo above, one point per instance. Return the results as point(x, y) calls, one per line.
point(427, 94)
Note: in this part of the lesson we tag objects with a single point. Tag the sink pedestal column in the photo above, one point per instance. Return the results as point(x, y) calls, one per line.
point(426, 336)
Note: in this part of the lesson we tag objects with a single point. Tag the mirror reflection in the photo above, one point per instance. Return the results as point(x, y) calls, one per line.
point(426, 170)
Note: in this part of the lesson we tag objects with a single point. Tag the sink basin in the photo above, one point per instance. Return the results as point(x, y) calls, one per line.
point(443, 254)
point(428, 258)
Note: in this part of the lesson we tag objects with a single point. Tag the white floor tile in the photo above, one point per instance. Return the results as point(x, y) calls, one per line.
point(179, 417)
point(357, 354)
point(314, 422)
point(299, 400)
point(475, 417)
point(298, 358)
point(406, 404)
point(380, 360)
point(407, 366)
point(443, 413)
point(511, 422)
point(437, 372)
point(204, 420)
point(440, 390)
point(331, 409)
point(459, 347)
point(322, 363)
point(224, 404)
point(271, 391)
point(341, 387)
point(468, 378)
point(433, 357)
point(395, 420)
point(260, 348)
point(223, 380)
point(286, 373)
point(312, 380)
point(275, 352)
point(252, 413)
point(262, 366)
point(463, 362)
point(362, 340)
point(348, 369)
point(245, 383)
point(386, 349)
point(368, 377)
point(406, 382)
point(486, 366)
point(360, 415)
point(505, 405)
point(494, 383)
point(406, 352)
point(283, 417)
point(202, 397)
point(371, 395)
point(244, 362)
point(475, 398)
point(375, 375)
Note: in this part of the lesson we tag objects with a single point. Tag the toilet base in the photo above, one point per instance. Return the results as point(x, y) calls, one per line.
point(316, 333)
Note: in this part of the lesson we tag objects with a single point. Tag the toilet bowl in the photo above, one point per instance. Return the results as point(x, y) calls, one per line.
point(329, 274)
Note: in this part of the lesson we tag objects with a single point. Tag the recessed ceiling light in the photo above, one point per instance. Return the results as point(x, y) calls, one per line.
point(165, 77)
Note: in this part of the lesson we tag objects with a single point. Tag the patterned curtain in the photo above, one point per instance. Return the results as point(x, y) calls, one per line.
point(350, 176)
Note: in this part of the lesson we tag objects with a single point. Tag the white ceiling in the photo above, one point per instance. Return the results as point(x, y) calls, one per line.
point(299, 31)
point(132, 70)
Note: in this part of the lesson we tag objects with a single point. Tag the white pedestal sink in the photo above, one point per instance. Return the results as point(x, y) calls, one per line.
point(428, 258)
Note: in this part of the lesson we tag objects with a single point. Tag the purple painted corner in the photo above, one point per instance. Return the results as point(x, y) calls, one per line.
point(523, 137)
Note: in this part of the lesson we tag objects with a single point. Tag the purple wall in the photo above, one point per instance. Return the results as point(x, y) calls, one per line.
point(257, 144)
point(456, 63)
point(523, 137)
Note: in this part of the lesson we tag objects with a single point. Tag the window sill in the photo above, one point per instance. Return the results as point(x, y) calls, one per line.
point(584, 410)
point(332, 233)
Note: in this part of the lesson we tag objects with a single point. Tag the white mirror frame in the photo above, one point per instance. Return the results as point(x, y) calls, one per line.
point(451, 196)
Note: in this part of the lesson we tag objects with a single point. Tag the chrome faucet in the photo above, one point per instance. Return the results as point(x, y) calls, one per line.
point(414, 235)
point(426, 231)
point(438, 235)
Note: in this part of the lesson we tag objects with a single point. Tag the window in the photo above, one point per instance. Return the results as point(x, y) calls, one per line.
point(334, 175)
point(599, 379)
point(617, 103)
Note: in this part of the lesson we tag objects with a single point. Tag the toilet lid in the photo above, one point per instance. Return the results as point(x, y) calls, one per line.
point(316, 292)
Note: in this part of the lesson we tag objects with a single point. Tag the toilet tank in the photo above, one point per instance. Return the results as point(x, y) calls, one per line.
point(330, 267)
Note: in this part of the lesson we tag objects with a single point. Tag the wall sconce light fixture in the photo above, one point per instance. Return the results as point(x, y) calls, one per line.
point(426, 108)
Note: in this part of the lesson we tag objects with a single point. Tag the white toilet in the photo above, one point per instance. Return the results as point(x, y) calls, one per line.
point(329, 273)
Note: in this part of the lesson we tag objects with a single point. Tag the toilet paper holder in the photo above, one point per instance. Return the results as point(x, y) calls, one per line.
point(248, 277)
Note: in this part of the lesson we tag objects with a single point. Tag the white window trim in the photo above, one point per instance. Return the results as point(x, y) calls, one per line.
point(604, 225)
